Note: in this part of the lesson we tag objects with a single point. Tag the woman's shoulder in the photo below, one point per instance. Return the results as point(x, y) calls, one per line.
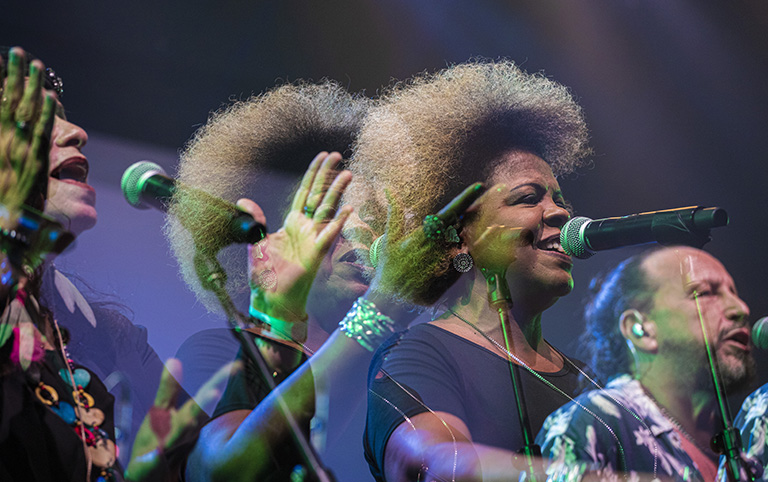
point(420, 340)
point(423, 341)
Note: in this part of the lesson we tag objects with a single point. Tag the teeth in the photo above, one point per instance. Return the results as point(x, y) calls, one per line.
point(553, 245)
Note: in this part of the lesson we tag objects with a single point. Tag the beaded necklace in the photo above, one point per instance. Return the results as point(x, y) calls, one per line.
point(84, 417)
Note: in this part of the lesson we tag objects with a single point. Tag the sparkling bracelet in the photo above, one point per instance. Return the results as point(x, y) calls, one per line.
point(280, 329)
point(367, 325)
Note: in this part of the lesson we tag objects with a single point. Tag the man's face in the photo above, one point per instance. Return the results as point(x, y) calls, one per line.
point(694, 289)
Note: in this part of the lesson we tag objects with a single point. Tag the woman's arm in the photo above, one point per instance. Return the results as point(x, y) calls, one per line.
point(237, 445)
point(438, 445)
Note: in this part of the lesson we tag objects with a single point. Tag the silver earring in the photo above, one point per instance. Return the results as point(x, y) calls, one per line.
point(637, 330)
point(463, 262)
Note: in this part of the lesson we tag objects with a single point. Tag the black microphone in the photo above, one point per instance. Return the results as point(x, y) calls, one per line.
point(145, 184)
point(760, 333)
point(582, 237)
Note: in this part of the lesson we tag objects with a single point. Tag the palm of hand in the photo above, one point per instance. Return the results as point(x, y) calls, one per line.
point(284, 264)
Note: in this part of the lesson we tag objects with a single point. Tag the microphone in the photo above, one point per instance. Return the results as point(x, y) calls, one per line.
point(145, 184)
point(582, 237)
point(760, 333)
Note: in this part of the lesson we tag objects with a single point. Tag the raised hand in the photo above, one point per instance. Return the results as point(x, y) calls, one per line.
point(284, 264)
point(408, 262)
point(26, 121)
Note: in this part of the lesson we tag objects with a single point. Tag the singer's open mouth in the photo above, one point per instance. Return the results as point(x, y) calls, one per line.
point(74, 169)
point(739, 338)
point(355, 256)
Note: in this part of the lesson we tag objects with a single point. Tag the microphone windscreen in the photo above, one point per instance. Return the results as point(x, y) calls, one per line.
point(571, 238)
point(131, 181)
point(760, 333)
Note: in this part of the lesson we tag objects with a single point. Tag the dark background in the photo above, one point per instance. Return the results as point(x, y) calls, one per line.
point(674, 92)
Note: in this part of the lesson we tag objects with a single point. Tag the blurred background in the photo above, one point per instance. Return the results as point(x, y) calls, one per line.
point(674, 92)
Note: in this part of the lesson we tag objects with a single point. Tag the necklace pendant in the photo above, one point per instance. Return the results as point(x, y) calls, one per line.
point(46, 394)
point(66, 412)
point(91, 416)
point(102, 452)
point(83, 398)
point(82, 377)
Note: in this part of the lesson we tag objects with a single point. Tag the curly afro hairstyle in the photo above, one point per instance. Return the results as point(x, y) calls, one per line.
point(228, 154)
point(428, 138)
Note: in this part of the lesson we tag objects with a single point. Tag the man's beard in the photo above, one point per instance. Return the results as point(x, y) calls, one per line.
point(737, 368)
point(737, 376)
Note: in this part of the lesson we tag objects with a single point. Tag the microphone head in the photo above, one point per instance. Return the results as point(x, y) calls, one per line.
point(133, 179)
point(572, 238)
point(760, 333)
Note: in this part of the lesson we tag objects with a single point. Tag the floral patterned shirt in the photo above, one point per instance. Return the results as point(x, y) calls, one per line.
point(752, 422)
point(614, 431)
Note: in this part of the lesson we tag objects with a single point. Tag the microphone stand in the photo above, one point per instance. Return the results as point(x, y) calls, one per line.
point(214, 278)
point(500, 299)
point(727, 442)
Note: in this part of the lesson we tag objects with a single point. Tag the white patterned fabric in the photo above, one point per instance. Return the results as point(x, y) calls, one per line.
point(752, 422)
point(598, 434)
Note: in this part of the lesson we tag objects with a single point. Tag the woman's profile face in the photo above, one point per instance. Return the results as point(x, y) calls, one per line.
point(342, 276)
point(519, 229)
point(71, 200)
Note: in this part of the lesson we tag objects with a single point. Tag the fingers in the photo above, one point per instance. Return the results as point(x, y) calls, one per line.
point(332, 230)
point(493, 195)
point(444, 224)
point(493, 241)
point(253, 209)
point(451, 213)
point(501, 232)
point(33, 171)
point(26, 113)
point(41, 144)
point(300, 198)
point(169, 386)
point(209, 392)
point(332, 197)
point(320, 184)
point(13, 88)
point(29, 107)
point(26, 122)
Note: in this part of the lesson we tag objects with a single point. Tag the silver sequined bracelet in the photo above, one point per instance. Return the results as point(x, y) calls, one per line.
point(367, 325)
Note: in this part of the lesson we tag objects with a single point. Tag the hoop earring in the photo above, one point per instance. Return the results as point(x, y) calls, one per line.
point(463, 262)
